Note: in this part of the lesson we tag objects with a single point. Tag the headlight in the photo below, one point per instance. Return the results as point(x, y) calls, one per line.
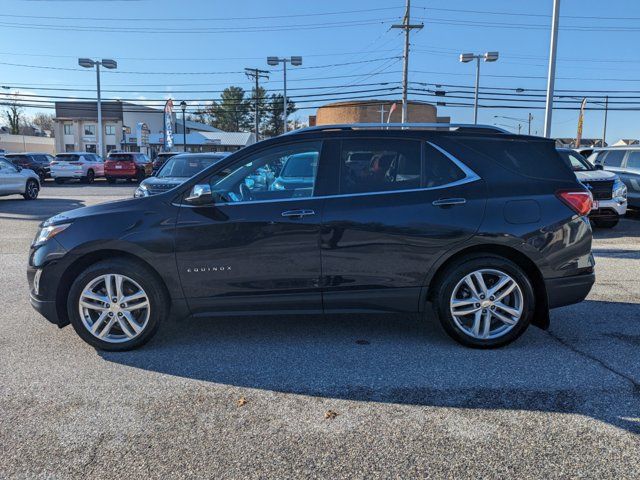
point(141, 191)
point(49, 232)
point(619, 191)
point(277, 186)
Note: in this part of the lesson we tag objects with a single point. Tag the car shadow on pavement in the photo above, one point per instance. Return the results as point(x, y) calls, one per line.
point(393, 359)
point(20, 209)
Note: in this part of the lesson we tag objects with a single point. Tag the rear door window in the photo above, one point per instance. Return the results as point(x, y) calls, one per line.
point(614, 158)
point(439, 169)
point(633, 160)
point(372, 165)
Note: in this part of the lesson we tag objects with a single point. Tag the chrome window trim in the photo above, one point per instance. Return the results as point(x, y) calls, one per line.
point(470, 176)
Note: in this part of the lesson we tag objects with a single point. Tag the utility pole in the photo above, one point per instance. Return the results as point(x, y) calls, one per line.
point(530, 118)
point(257, 74)
point(606, 111)
point(407, 27)
point(551, 78)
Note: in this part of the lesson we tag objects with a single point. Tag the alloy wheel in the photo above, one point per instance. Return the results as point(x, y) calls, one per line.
point(486, 304)
point(114, 308)
point(32, 189)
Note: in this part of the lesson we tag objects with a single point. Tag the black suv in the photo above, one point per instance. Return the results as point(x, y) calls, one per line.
point(487, 227)
point(38, 162)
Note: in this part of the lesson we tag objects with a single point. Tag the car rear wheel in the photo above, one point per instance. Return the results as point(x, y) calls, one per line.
point(140, 175)
point(31, 190)
point(116, 305)
point(59, 181)
point(89, 178)
point(484, 301)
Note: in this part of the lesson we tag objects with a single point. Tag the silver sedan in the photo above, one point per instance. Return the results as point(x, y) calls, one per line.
point(17, 180)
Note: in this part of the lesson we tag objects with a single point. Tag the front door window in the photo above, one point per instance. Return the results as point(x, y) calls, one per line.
point(277, 173)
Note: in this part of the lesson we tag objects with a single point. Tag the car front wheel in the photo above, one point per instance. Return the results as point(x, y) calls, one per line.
point(116, 305)
point(608, 223)
point(484, 301)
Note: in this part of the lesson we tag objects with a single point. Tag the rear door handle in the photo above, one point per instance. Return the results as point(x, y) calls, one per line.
point(297, 213)
point(448, 202)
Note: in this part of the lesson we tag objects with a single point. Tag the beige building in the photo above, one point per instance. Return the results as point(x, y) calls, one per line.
point(26, 143)
point(375, 111)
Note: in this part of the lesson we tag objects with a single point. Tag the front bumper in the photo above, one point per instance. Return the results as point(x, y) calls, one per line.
point(609, 209)
point(569, 290)
point(46, 308)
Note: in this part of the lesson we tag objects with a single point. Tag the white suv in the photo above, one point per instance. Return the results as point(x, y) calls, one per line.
point(83, 166)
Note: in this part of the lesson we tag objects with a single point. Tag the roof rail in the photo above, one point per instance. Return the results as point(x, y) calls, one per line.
point(399, 126)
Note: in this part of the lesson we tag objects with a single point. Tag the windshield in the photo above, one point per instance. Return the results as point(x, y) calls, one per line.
point(576, 161)
point(303, 165)
point(185, 167)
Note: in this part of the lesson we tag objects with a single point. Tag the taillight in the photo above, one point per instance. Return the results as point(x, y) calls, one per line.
point(578, 200)
point(53, 163)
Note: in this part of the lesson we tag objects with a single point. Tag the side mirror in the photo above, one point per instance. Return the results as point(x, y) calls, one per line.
point(200, 195)
point(599, 166)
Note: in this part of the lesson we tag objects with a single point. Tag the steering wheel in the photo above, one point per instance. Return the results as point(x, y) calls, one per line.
point(245, 192)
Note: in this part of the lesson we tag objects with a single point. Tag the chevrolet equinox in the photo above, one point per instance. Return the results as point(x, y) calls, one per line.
point(485, 228)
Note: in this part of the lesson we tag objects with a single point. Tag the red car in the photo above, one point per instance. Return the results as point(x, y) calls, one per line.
point(127, 166)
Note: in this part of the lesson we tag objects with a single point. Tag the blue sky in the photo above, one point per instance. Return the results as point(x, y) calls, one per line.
point(594, 53)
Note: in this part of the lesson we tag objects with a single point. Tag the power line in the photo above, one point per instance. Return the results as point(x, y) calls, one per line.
point(201, 19)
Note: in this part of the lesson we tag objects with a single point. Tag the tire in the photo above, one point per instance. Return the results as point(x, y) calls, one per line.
point(42, 175)
point(90, 177)
point(608, 223)
point(147, 320)
point(452, 286)
point(59, 181)
point(140, 175)
point(31, 189)
point(111, 180)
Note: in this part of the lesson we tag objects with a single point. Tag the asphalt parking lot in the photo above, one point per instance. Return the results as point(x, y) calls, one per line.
point(409, 401)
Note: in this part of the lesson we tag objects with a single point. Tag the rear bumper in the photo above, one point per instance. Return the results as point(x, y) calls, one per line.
point(569, 290)
point(120, 173)
point(67, 174)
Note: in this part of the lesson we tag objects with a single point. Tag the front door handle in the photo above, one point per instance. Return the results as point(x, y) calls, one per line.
point(449, 202)
point(297, 213)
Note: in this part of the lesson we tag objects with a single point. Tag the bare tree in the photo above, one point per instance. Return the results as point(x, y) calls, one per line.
point(44, 121)
point(14, 115)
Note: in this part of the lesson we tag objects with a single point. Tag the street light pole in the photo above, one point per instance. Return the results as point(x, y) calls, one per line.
point(551, 78)
point(295, 61)
point(99, 110)
point(183, 106)
point(487, 57)
point(475, 98)
point(107, 63)
point(606, 111)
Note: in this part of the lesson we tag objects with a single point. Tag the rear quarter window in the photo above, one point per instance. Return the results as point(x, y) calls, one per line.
point(530, 158)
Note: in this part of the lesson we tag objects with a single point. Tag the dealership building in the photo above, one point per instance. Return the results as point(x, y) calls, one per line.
point(136, 128)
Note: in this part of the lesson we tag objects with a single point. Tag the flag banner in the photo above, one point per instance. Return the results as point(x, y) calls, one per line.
point(168, 127)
